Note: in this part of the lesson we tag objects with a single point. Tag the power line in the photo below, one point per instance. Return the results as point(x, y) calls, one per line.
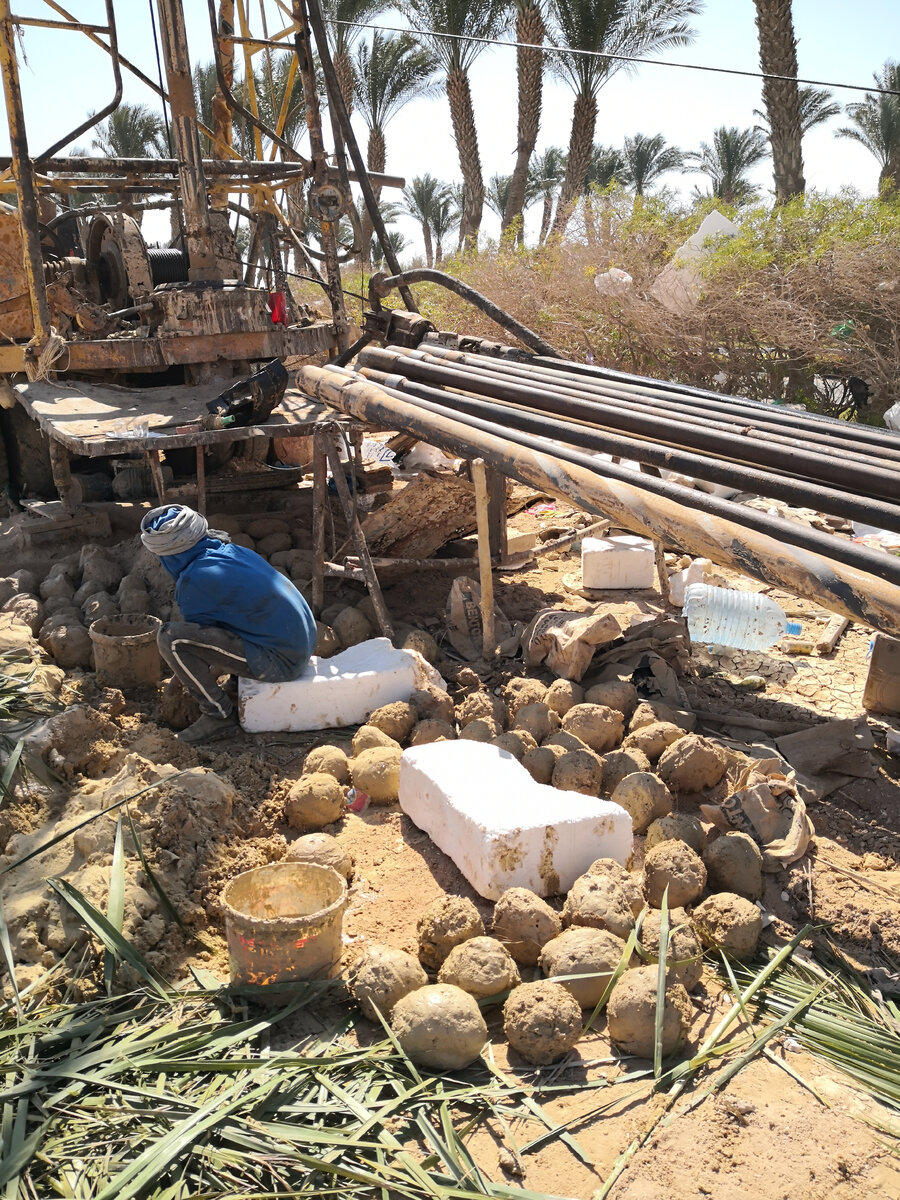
point(625, 58)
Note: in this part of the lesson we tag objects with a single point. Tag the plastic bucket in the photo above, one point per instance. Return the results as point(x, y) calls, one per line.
point(125, 650)
point(283, 922)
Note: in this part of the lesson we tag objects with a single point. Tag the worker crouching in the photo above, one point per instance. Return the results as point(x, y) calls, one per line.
point(240, 616)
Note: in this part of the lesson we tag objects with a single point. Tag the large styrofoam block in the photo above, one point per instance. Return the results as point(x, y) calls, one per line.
point(613, 563)
point(480, 806)
point(337, 691)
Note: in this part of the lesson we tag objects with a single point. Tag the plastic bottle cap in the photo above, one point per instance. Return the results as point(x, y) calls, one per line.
point(793, 628)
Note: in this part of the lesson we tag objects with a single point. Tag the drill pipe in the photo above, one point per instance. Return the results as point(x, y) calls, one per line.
point(746, 479)
point(853, 593)
point(791, 532)
point(827, 467)
point(728, 409)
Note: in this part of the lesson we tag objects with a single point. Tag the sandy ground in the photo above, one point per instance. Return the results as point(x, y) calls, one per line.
point(210, 813)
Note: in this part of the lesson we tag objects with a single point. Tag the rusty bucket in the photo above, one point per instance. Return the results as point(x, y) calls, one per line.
point(125, 650)
point(283, 922)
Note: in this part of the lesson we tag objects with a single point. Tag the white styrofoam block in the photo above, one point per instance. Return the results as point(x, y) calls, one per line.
point(337, 691)
point(480, 806)
point(619, 562)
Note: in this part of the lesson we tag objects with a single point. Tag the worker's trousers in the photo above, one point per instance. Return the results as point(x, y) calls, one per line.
point(199, 654)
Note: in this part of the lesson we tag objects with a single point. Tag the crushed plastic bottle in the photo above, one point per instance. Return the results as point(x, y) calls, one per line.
point(357, 801)
point(739, 620)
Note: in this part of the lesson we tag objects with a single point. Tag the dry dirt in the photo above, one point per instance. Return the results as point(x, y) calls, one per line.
point(210, 813)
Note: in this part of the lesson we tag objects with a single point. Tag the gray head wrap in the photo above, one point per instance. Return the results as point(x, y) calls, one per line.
point(172, 529)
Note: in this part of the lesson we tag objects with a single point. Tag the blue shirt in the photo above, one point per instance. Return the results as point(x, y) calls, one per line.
point(218, 583)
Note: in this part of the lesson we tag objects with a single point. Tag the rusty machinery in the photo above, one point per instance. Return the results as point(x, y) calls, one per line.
point(84, 297)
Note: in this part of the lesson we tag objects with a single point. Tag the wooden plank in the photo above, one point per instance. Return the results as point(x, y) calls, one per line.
point(486, 578)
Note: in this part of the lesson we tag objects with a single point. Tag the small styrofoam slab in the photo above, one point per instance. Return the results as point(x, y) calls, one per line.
point(333, 692)
point(624, 561)
point(480, 806)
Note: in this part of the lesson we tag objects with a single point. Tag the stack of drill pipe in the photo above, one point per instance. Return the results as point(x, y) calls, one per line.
point(517, 428)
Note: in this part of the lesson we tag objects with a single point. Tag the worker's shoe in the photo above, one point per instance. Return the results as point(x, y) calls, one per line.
point(209, 728)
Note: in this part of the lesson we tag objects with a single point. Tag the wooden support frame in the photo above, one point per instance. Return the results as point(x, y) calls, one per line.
point(486, 578)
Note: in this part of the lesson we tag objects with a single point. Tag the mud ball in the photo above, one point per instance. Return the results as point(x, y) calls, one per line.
point(519, 692)
point(562, 695)
point(439, 1026)
point(61, 604)
point(137, 602)
point(131, 583)
point(649, 711)
point(433, 704)
point(481, 706)
point(384, 976)
point(680, 827)
point(446, 922)
point(653, 739)
point(432, 731)
point(645, 797)
point(536, 719)
point(396, 720)
point(578, 771)
point(599, 902)
point(327, 641)
point(623, 878)
point(583, 951)
point(367, 737)
point(729, 922)
point(327, 760)
point(734, 864)
point(692, 764)
point(673, 865)
point(482, 729)
point(89, 588)
point(618, 694)
point(377, 773)
point(177, 707)
point(542, 1021)
point(314, 801)
point(511, 743)
point(483, 967)
point(272, 543)
point(596, 725)
point(321, 848)
point(56, 585)
point(619, 764)
point(685, 955)
point(539, 764)
point(101, 604)
point(560, 742)
point(524, 923)
point(423, 643)
point(68, 644)
point(96, 564)
point(631, 1013)
point(27, 609)
point(351, 627)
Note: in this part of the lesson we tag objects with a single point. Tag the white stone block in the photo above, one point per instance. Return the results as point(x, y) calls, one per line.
point(337, 691)
point(480, 806)
point(614, 563)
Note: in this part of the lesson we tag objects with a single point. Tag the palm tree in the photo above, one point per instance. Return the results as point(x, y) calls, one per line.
point(396, 241)
point(646, 158)
point(343, 18)
point(386, 75)
point(131, 131)
point(618, 27)
point(497, 194)
point(419, 200)
point(876, 125)
point(778, 56)
point(732, 153)
point(530, 31)
point(816, 107)
point(445, 216)
point(464, 19)
point(547, 171)
point(606, 167)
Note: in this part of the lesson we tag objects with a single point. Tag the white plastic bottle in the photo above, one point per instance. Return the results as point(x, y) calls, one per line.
point(740, 620)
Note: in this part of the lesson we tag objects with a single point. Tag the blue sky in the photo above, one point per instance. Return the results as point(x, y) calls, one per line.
point(65, 76)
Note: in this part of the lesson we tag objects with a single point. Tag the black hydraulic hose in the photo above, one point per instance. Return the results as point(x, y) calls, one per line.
point(749, 479)
point(381, 285)
point(754, 447)
point(766, 418)
point(882, 566)
point(589, 371)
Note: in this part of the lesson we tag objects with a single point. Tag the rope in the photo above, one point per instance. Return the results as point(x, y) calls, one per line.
point(39, 365)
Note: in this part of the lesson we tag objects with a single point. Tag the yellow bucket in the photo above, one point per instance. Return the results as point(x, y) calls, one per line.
point(283, 922)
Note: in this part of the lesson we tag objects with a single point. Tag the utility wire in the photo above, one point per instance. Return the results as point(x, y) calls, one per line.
point(626, 58)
